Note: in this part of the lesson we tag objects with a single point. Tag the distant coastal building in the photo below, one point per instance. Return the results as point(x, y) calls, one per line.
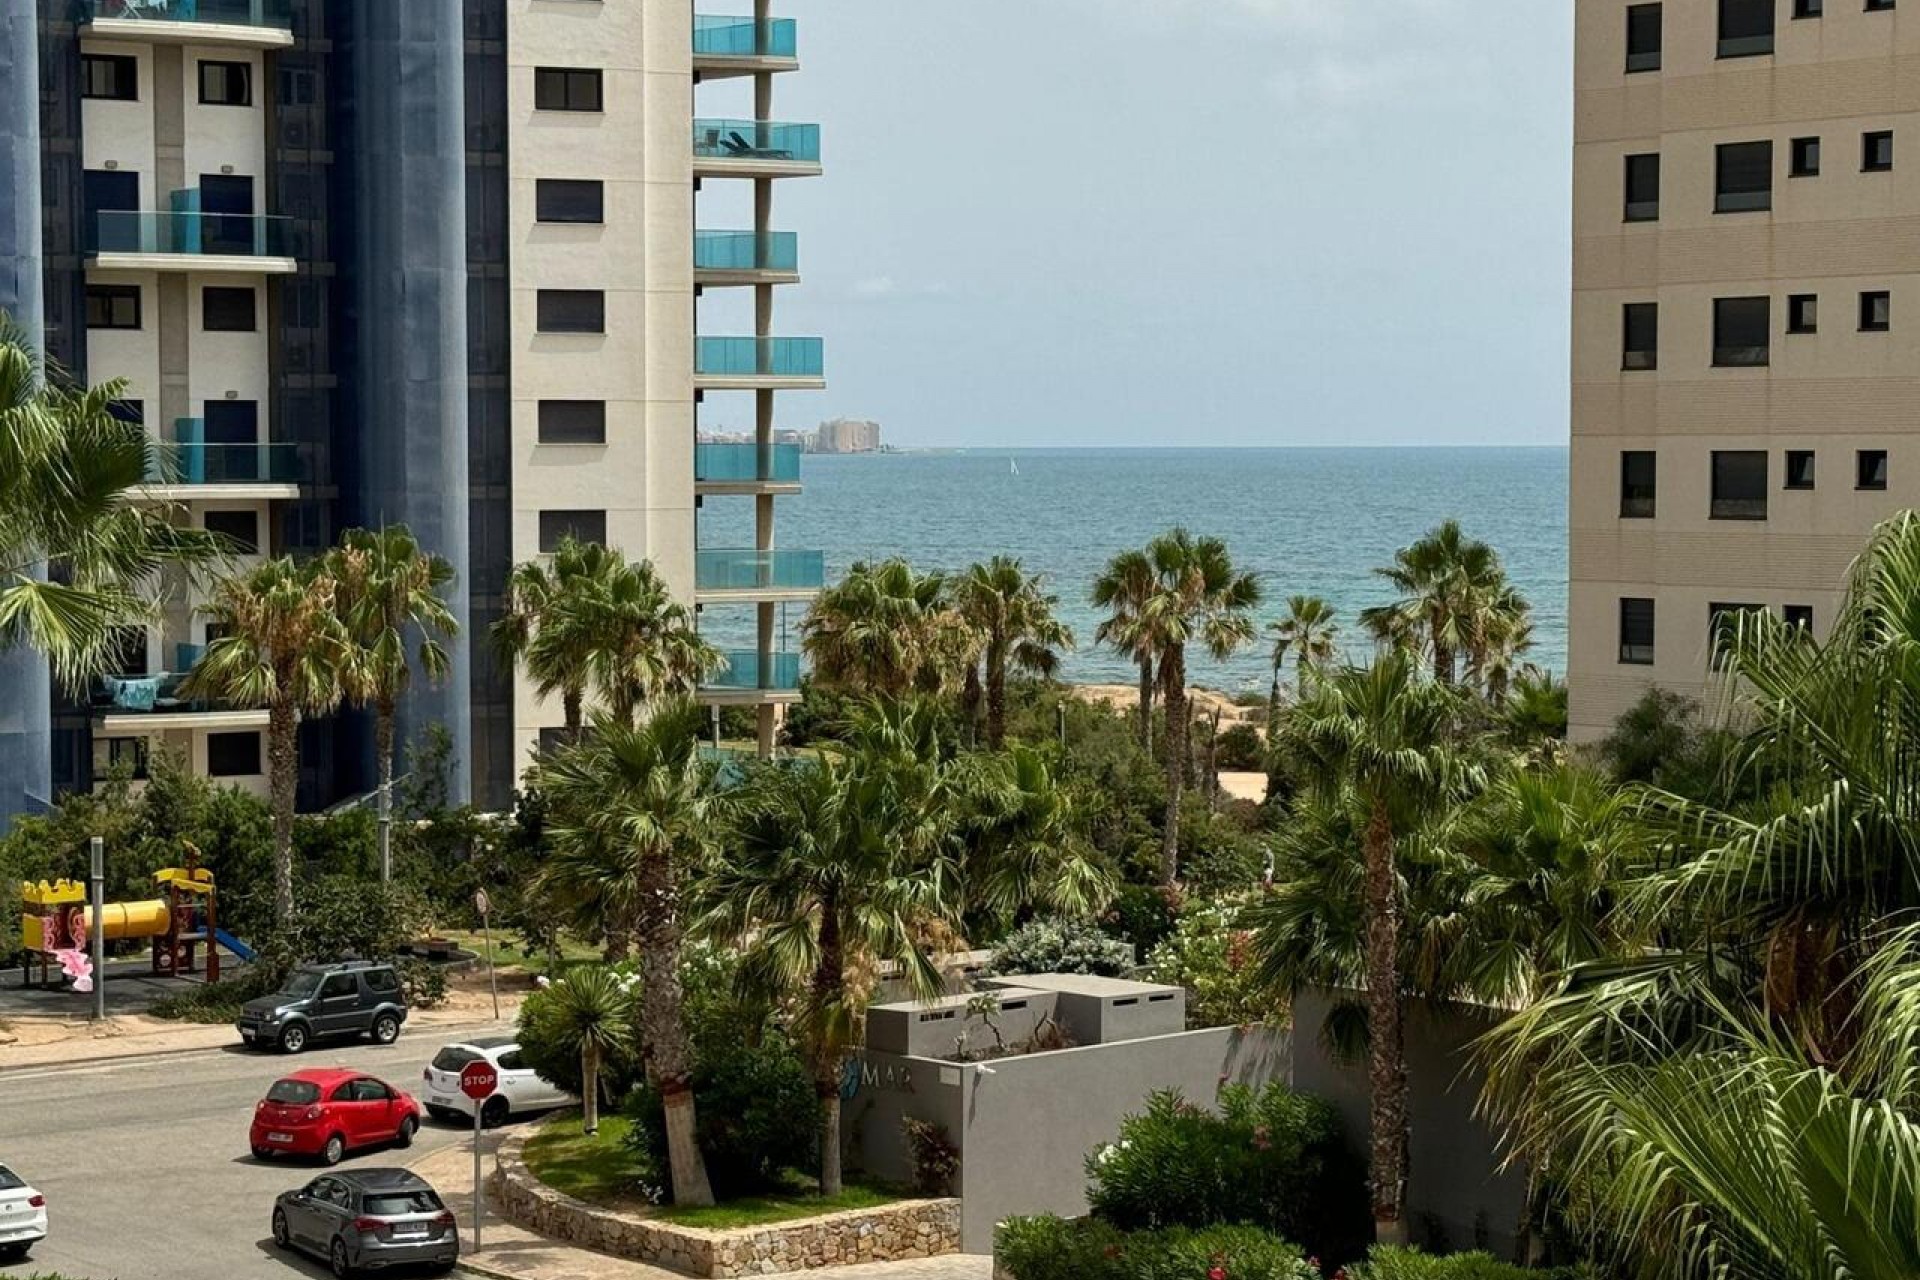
point(847, 435)
point(1745, 300)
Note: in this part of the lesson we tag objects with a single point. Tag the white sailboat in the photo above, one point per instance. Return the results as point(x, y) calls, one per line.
point(1013, 466)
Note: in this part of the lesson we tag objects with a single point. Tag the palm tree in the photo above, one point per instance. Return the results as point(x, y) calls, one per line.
point(632, 812)
point(886, 630)
point(1448, 582)
point(390, 585)
point(1013, 614)
point(1308, 633)
point(590, 1012)
point(1123, 589)
point(1027, 845)
point(68, 469)
point(553, 642)
point(280, 645)
point(1199, 598)
point(642, 642)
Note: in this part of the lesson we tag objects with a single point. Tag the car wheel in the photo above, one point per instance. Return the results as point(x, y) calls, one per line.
point(15, 1252)
point(335, 1150)
point(263, 1153)
point(293, 1038)
point(337, 1260)
point(281, 1236)
point(404, 1138)
point(493, 1113)
point(386, 1029)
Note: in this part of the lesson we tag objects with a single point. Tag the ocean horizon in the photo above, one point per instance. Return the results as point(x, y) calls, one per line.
point(1312, 520)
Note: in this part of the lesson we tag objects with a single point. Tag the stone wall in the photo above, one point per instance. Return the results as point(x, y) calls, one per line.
point(909, 1229)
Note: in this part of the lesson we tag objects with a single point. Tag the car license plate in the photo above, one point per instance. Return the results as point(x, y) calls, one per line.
point(279, 1137)
point(410, 1228)
point(440, 1099)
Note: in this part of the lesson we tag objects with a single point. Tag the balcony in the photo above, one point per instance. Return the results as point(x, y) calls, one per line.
point(187, 239)
point(745, 257)
point(258, 24)
point(187, 468)
point(758, 576)
point(755, 149)
point(750, 677)
point(758, 364)
point(724, 45)
point(151, 702)
point(746, 468)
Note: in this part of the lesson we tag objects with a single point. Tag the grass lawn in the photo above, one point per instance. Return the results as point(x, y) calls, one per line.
point(602, 1170)
point(507, 956)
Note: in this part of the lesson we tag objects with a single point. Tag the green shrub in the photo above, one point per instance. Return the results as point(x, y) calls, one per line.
point(1141, 915)
point(758, 1117)
point(1220, 850)
point(1049, 1248)
point(1210, 955)
point(1057, 945)
point(425, 983)
point(543, 1044)
point(1275, 1159)
point(935, 1159)
point(216, 1002)
point(1387, 1262)
point(1241, 749)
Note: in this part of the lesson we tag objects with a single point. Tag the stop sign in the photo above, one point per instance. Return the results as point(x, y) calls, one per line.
point(478, 1079)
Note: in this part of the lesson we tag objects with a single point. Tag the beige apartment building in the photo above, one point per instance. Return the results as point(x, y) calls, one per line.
point(1746, 322)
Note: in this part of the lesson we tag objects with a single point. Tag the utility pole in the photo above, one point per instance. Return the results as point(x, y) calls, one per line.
point(97, 936)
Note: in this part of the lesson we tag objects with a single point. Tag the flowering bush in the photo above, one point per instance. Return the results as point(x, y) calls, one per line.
point(1061, 946)
point(935, 1159)
point(1049, 1248)
point(1388, 1263)
point(1210, 955)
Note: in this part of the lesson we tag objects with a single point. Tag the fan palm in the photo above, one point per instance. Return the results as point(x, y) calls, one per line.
point(1449, 584)
point(886, 630)
point(632, 813)
point(389, 585)
point(1028, 845)
point(1308, 633)
point(280, 645)
point(589, 1012)
point(1010, 610)
point(1123, 589)
point(642, 641)
point(553, 644)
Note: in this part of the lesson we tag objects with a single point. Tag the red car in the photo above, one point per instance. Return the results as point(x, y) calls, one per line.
point(328, 1112)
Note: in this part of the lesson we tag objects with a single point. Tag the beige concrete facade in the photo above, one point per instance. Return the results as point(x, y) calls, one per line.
point(1837, 234)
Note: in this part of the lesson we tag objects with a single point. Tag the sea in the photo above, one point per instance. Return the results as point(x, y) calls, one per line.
point(1314, 521)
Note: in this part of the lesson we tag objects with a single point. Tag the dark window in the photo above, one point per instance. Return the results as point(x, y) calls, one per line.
point(569, 200)
point(1876, 151)
point(242, 528)
point(370, 1091)
point(1879, 6)
point(336, 986)
point(296, 1093)
point(582, 526)
point(226, 203)
point(566, 89)
point(553, 740)
point(1640, 335)
point(114, 76)
point(1798, 615)
point(1809, 8)
point(224, 309)
point(1870, 469)
point(131, 754)
point(1739, 485)
point(1743, 177)
point(572, 311)
point(234, 755)
point(394, 1204)
point(1799, 469)
point(1723, 624)
point(513, 1060)
point(1805, 158)
point(1876, 311)
point(453, 1057)
point(232, 421)
point(131, 412)
point(1638, 483)
point(113, 306)
point(127, 652)
point(573, 422)
point(1746, 28)
point(1803, 313)
point(1643, 188)
point(226, 84)
point(1643, 37)
point(381, 980)
point(1740, 331)
point(1636, 631)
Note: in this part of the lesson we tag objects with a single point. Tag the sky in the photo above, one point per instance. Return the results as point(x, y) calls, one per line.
point(1103, 223)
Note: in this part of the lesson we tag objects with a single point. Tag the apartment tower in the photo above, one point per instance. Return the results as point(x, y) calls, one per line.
point(1746, 323)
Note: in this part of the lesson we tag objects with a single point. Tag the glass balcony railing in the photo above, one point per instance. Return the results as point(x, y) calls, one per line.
point(189, 461)
point(238, 13)
point(725, 36)
point(746, 669)
point(236, 234)
point(746, 251)
point(756, 140)
point(759, 357)
point(747, 463)
point(759, 570)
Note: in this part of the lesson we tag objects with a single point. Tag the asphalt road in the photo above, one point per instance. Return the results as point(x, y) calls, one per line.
point(145, 1166)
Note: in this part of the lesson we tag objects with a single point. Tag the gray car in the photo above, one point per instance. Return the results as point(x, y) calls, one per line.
point(321, 1001)
point(368, 1220)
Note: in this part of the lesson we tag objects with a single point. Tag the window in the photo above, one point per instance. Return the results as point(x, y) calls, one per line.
point(1799, 469)
point(113, 306)
point(1879, 6)
point(1643, 37)
point(1643, 188)
point(1809, 8)
point(1803, 313)
point(573, 422)
point(1739, 485)
point(226, 84)
point(127, 652)
point(1876, 151)
point(513, 1060)
point(582, 526)
point(1740, 332)
point(1743, 177)
point(572, 311)
point(1870, 469)
point(1876, 311)
point(552, 740)
point(1723, 624)
point(566, 89)
point(242, 528)
point(569, 200)
point(131, 754)
point(1640, 335)
point(1637, 484)
point(370, 1091)
point(1636, 632)
point(237, 755)
point(381, 980)
point(231, 421)
point(1805, 162)
point(131, 412)
point(114, 76)
point(1798, 615)
point(1746, 28)
point(336, 986)
point(224, 309)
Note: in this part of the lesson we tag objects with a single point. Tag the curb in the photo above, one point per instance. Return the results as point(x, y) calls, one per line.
point(143, 1055)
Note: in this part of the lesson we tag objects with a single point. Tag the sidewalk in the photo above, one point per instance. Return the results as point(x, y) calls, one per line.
point(509, 1253)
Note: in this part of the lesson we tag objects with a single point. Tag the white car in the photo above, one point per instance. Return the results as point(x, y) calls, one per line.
point(23, 1216)
point(520, 1089)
